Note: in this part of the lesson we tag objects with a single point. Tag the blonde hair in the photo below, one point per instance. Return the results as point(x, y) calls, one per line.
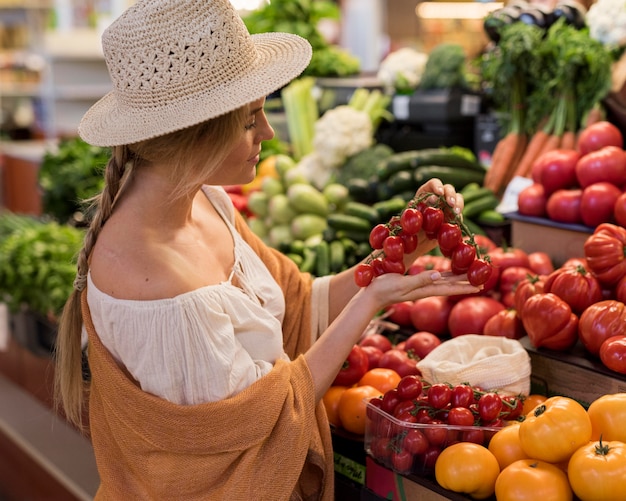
point(193, 153)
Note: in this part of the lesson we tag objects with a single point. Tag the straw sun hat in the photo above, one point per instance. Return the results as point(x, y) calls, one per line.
point(176, 63)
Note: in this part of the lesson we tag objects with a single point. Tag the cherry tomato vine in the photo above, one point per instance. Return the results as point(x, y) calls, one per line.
point(392, 240)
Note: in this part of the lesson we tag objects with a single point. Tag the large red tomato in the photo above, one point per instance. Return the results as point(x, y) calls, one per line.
point(613, 353)
point(619, 210)
point(431, 314)
point(601, 321)
point(505, 323)
point(353, 367)
point(532, 200)
point(531, 285)
point(504, 257)
point(576, 286)
point(470, 315)
point(605, 252)
point(541, 263)
point(597, 204)
point(399, 361)
point(556, 170)
point(606, 164)
point(549, 322)
point(564, 206)
point(421, 343)
point(512, 276)
point(620, 290)
point(599, 135)
point(400, 313)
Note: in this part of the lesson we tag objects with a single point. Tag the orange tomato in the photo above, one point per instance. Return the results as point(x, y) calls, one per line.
point(353, 407)
point(532, 479)
point(331, 403)
point(506, 447)
point(532, 401)
point(380, 378)
point(608, 415)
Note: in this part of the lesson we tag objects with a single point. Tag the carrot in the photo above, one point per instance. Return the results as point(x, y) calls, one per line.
point(553, 143)
point(519, 153)
point(509, 147)
point(568, 140)
point(530, 154)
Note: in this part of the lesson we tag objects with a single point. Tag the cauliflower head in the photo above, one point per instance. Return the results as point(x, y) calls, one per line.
point(402, 69)
point(607, 22)
point(340, 133)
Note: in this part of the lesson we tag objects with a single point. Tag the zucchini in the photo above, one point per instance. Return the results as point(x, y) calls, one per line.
point(476, 194)
point(362, 210)
point(412, 159)
point(349, 223)
point(490, 216)
point(362, 190)
point(400, 182)
point(308, 262)
point(322, 261)
point(388, 208)
point(459, 177)
point(472, 209)
point(337, 254)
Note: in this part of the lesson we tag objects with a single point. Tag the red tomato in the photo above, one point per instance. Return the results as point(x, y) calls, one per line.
point(432, 219)
point(606, 164)
point(399, 361)
point(540, 263)
point(439, 395)
point(556, 170)
point(605, 252)
point(462, 395)
point(462, 257)
point(549, 322)
point(532, 201)
point(400, 313)
point(512, 276)
point(597, 204)
point(620, 290)
point(379, 341)
point(429, 262)
point(431, 314)
point(411, 221)
point(504, 257)
point(599, 135)
point(363, 274)
point(377, 236)
point(460, 416)
point(576, 286)
point(613, 353)
point(422, 343)
point(505, 323)
point(601, 321)
point(448, 237)
point(619, 210)
point(531, 285)
point(410, 387)
point(479, 272)
point(484, 243)
point(564, 206)
point(470, 315)
point(393, 248)
point(373, 356)
point(353, 368)
point(489, 406)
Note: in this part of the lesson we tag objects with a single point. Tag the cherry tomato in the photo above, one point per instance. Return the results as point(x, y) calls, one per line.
point(390, 400)
point(411, 221)
point(460, 416)
point(409, 387)
point(436, 433)
point(439, 395)
point(363, 274)
point(378, 234)
point(377, 266)
point(409, 242)
point(462, 396)
point(433, 219)
point(393, 248)
point(402, 461)
point(475, 435)
point(415, 441)
point(489, 406)
point(479, 272)
point(512, 407)
point(448, 237)
point(392, 266)
point(613, 353)
point(462, 257)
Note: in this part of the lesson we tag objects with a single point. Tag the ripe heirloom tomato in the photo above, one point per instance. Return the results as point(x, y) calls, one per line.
point(619, 210)
point(540, 263)
point(549, 322)
point(597, 471)
point(608, 415)
point(505, 323)
point(467, 468)
point(506, 447)
point(331, 404)
point(555, 429)
point(353, 407)
point(431, 314)
point(601, 321)
point(380, 378)
point(353, 367)
point(503, 257)
point(576, 286)
point(613, 353)
point(399, 361)
point(532, 284)
point(532, 480)
point(605, 253)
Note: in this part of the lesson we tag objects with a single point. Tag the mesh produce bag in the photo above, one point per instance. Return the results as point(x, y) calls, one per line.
point(489, 362)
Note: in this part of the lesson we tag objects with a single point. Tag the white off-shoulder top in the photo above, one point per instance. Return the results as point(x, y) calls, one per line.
point(207, 344)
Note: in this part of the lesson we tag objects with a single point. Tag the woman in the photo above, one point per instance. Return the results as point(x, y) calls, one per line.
point(209, 352)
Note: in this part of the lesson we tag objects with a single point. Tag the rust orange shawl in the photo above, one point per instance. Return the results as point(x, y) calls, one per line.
point(269, 442)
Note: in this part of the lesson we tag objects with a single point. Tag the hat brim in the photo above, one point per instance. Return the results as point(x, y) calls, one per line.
point(281, 57)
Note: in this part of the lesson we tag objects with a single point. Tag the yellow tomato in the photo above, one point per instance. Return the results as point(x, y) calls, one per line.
point(380, 378)
point(532, 480)
point(608, 417)
point(532, 401)
point(468, 468)
point(597, 471)
point(555, 429)
point(331, 404)
point(506, 447)
point(353, 407)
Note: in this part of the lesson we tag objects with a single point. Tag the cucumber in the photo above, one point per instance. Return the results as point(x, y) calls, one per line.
point(388, 208)
point(473, 227)
point(308, 260)
point(399, 182)
point(322, 261)
point(347, 222)
point(413, 159)
point(362, 210)
point(490, 216)
point(304, 226)
point(362, 190)
point(459, 177)
point(476, 194)
point(470, 188)
point(472, 209)
point(337, 254)
point(358, 236)
point(307, 199)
